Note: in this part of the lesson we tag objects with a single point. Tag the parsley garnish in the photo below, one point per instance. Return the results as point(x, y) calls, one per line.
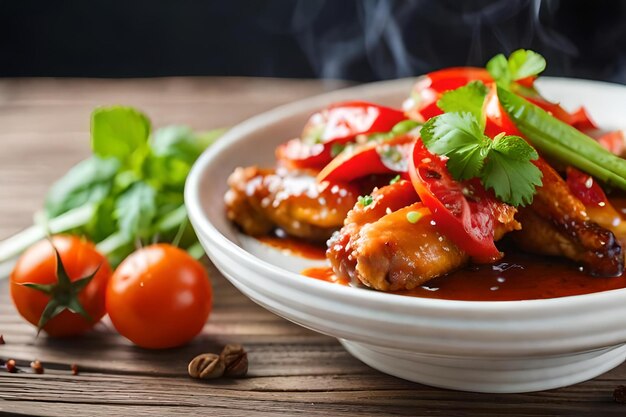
point(503, 164)
point(365, 200)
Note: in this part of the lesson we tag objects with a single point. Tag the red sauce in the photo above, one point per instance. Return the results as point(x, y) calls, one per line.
point(517, 276)
point(293, 246)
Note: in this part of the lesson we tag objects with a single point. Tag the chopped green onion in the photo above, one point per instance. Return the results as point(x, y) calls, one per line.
point(365, 200)
point(414, 216)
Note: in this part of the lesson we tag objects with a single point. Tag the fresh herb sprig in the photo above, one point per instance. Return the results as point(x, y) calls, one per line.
point(503, 164)
point(129, 191)
point(520, 64)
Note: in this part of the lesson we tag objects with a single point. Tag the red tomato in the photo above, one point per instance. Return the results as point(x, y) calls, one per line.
point(585, 188)
point(463, 211)
point(38, 265)
point(339, 123)
point(375, 157)
point(428, 89)
point(159, 297)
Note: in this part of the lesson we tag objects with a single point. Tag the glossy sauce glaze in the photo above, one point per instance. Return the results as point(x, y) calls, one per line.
point(293, 246)
point(518, 276)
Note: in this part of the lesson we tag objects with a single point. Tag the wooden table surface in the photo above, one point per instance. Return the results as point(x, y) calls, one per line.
point(43, 131)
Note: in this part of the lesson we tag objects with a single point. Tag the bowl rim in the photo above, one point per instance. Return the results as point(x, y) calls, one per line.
point(239, 132)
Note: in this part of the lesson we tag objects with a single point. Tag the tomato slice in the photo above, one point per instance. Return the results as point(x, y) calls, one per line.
point(339, 124)
point(463, 211)
point(585, 188)
point(386, 157)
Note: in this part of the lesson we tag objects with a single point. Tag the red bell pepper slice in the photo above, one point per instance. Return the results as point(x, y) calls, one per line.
point(585, 188)
point(338, 124)
point(462, 211)
point(386, 157)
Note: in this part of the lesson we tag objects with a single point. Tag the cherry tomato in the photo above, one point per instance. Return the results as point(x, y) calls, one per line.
point(463, 211)
point(338, 124)
point(585, 188)
point(386, 157)
point(159, 297)
point(38, 268)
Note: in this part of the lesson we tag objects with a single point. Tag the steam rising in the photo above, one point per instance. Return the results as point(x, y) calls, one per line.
point(387, 39)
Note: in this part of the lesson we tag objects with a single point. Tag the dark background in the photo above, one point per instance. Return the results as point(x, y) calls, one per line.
point(363, 40)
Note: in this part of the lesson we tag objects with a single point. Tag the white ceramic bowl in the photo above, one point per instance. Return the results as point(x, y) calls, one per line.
point(511, 346)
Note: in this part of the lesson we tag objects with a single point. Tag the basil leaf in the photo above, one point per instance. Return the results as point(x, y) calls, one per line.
point(87, 182)
point(118, 132)
point(135, 209)
point(176, 141)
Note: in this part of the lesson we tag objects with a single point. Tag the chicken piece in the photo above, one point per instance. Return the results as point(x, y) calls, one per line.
point(394, 254)
point(384, 200)
point(556, 223)
point(261, 199)
point(381, 249)
point(609, 218)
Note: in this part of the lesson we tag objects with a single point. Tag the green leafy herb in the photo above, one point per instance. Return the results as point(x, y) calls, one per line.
point(89, 181)
point(118, 132)
point(521, 64)
point(503, 164)
point(508, 171)
point(459, 137)
point(466, 99)
point(365, 200)
point(562, 141)
point(395, 179)
point(130, 189)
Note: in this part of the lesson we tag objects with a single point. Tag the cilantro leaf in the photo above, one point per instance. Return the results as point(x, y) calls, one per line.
point(469, 98)
point(524, 63)
point(498, 68)
point(510, 172)
point(521, 64)
point(459, 137)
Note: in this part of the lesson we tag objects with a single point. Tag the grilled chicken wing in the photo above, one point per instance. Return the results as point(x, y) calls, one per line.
point(261, 199)
point(556, 223)
point(380, 248)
